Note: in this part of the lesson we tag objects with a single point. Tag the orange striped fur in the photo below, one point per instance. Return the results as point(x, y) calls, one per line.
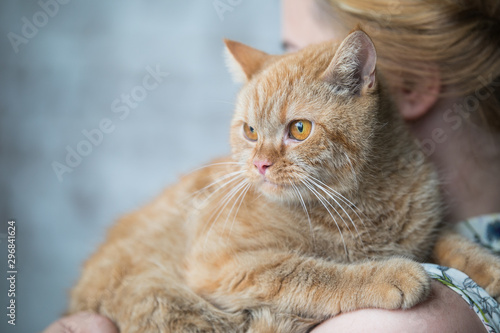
point(337, 223)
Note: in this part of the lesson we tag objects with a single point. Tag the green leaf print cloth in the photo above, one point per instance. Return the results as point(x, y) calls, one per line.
point(484, 230)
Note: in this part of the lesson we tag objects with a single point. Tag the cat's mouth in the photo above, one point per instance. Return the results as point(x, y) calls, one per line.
point(267, 183)
point(266, 180)
point(271, 182)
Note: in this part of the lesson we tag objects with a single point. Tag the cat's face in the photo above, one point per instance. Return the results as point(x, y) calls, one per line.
point(303, 121)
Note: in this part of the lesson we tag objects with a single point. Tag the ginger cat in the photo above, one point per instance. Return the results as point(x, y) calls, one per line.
point(321, 209)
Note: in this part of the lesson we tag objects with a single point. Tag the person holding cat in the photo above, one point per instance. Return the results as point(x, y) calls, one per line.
point(449, 96)
point(438, 55)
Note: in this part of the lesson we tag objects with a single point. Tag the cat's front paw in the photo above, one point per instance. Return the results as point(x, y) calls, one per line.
point(482, 266)
point(398, 284)
point(489, 279)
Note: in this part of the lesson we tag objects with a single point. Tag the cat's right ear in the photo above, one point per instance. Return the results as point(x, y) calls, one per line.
point(244, 61)
point(352, 70)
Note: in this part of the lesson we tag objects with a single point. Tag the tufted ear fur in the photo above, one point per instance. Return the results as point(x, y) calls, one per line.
point(352, 70)
point(244, 61)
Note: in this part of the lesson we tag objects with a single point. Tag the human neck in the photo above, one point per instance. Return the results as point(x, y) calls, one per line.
point(467, 158)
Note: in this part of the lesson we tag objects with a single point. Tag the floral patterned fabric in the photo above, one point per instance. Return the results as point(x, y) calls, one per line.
point(485, 306)
point(484, 230)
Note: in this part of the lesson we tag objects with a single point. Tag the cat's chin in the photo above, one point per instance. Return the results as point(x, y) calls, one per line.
point(272, 185)
point(273, 190)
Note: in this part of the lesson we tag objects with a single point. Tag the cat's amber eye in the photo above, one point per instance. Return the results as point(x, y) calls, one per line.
point(300, 129)
point(250, 132)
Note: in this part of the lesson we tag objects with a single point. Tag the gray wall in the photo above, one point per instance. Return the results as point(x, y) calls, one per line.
point(62, 81)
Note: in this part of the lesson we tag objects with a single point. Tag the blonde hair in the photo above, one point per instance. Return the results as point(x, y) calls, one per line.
point(460, 37)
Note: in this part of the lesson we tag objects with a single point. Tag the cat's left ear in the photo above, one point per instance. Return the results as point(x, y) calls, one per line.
point(244, 61)
point(352, 70)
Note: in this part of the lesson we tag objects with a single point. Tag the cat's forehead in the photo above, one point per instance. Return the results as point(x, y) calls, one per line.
point(281, 95)
point(268, 102)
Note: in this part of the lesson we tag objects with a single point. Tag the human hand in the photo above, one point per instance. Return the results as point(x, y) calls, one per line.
point(83, 322)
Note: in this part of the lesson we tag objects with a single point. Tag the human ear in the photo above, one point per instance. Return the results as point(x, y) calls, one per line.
point(415, 101)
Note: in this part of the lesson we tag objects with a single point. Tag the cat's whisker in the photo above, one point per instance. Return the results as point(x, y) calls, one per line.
point(221, 178)
point(258, 197)
point(218, 180)
point(328, 202)
point(222, 205)
point(218, 164)
point(327, 189)
point(345, 200)
point(245, 190)
point(232, 180)
point(313, 184)
point(321, 199)
point(244, 185)
point(341, 207)
point(307, 213)
point(234, 175)
point(225, 200)
point(238, 177)
point(352, 168)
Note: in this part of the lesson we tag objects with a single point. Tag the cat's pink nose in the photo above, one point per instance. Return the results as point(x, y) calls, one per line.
point(262, 166)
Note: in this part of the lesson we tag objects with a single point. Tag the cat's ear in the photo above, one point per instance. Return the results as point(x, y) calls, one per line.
point(244, 61)
point(352, 70)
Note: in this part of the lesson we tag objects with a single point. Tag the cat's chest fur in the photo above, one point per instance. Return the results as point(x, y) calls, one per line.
point(219, 228)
